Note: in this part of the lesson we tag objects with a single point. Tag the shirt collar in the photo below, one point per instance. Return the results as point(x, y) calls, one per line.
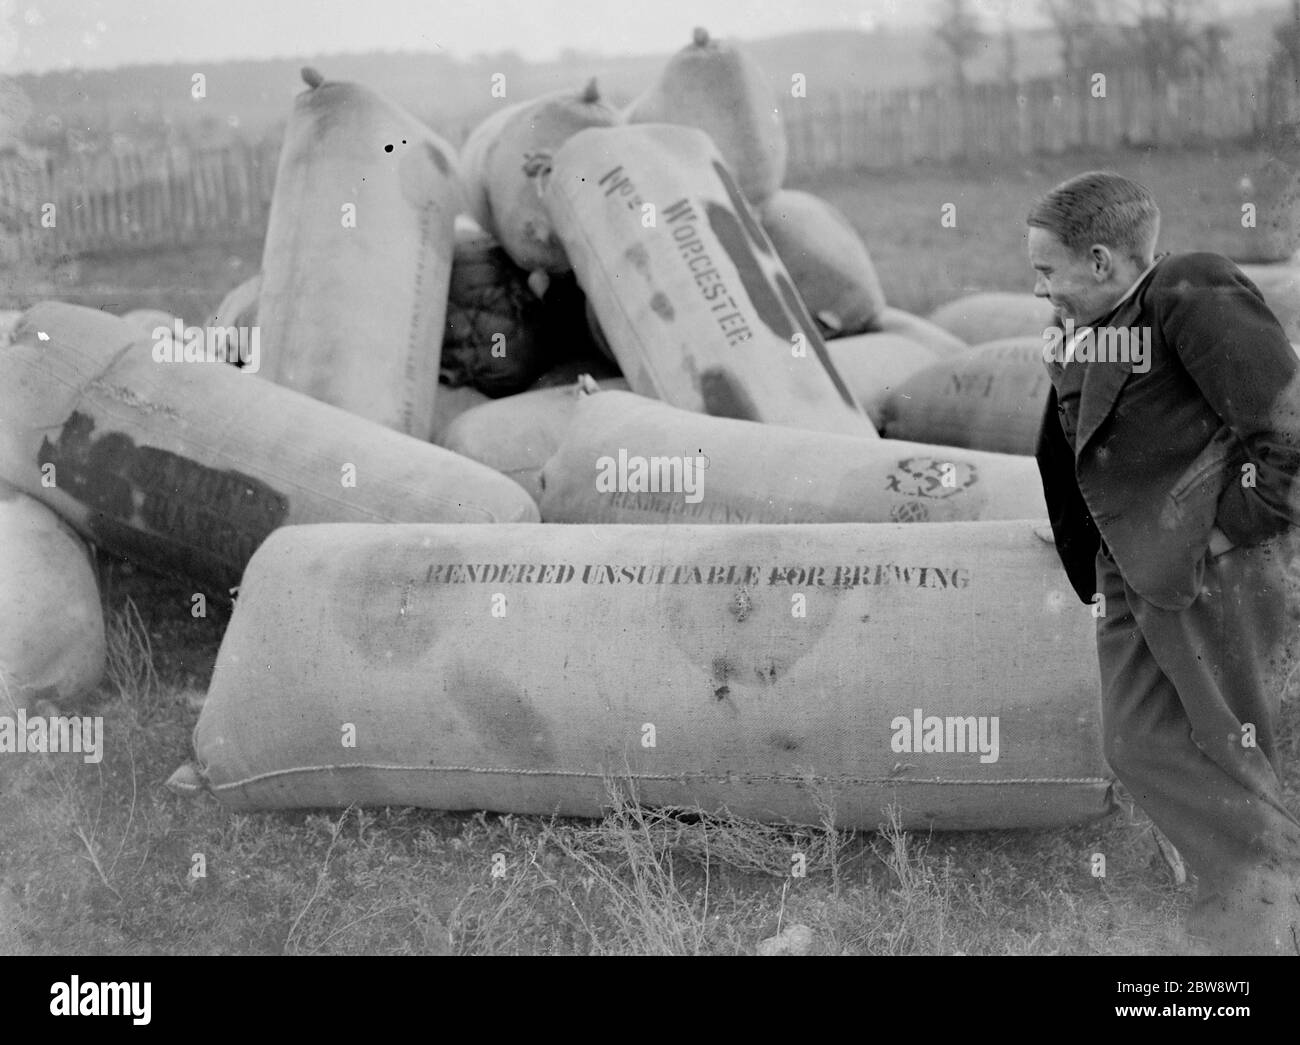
point(1138, 282)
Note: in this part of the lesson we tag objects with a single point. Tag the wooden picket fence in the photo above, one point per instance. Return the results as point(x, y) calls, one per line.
point(136, 198)
point(176, 197)
point(892, 129)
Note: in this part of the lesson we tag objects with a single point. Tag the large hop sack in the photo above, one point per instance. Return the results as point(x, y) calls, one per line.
point(51, 624)
point(689, 291)
point(990, 398)
point(716, 86)
point(874, 365)
point(357, 257)
point(826, 259)
point(627, 459)
point(187, 466)
point(494, 337)
point(947, 670)
point(980, 318)
point(517, 435)
point(506, 159)
point(896, 321)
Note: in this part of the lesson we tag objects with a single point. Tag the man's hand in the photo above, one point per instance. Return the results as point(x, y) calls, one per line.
point(1219, 543)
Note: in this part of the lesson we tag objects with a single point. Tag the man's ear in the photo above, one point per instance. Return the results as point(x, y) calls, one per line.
point(1103, 263)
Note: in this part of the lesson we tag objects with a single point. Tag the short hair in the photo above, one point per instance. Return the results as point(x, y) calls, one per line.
point(1100, 207)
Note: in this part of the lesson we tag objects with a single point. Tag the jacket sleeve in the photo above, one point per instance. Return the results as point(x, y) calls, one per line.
point(1076, 535)
point(1237, 353)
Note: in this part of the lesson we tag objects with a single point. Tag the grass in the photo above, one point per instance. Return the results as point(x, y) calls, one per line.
point(103, 859)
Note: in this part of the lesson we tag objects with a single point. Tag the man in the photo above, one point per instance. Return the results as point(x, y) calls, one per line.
point(1167, 478)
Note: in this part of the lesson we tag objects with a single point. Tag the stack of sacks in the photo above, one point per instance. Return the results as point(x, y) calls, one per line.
point(990, 398)
point(946, 669)
point(51, 624)
point(718, 88)
point(187, 467)
point(668, 235)
point(628, 459)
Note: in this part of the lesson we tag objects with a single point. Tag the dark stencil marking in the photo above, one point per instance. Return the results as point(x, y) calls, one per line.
point(726, 227)
point(639, 257)
point(204, 522)
point(741, 206)
point(663, 308)
point(909, 511)
point(724, 396)
point(923, 477)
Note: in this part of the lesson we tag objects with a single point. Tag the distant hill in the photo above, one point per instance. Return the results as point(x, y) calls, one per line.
point(252, 98)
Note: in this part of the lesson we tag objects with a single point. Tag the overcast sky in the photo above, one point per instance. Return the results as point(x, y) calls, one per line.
point(36, 35)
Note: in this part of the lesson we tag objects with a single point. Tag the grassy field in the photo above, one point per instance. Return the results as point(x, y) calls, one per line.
point(923, 264)
point(100, 858)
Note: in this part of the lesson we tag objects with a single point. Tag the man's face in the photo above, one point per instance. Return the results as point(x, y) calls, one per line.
point(1069, 281)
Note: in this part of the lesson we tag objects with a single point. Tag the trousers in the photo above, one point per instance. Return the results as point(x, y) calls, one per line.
point(1190, 700)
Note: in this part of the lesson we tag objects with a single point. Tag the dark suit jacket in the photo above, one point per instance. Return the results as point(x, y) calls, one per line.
point(1160, 454)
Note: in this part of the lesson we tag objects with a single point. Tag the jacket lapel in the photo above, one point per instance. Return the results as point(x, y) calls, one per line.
point(1102, 382)
point(1101, 387)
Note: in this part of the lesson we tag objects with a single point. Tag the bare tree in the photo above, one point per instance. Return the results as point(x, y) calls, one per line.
point(1176, 39)
point(1287, 37)
point(960, 33)
point(1284, 83)
point(1077, 24)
